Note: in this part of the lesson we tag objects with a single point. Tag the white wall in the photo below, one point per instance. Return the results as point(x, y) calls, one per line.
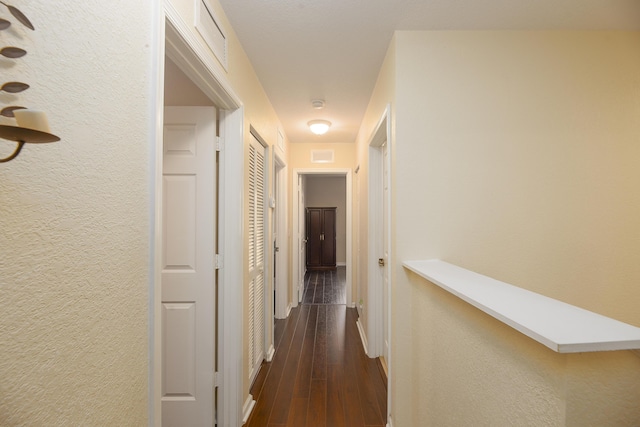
point(74, 246)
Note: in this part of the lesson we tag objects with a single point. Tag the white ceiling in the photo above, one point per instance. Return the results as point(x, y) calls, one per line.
point(333, 49)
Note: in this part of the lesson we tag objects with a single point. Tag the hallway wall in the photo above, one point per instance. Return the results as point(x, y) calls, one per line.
point(516, 157)
point(74, 246)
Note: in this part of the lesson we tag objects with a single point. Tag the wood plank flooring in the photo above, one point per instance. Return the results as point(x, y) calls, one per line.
point(325, 287)
point(320, 375)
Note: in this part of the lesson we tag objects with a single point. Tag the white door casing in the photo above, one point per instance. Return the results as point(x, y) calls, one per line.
point(188, 280)
point(175, 39)
point(280, 226)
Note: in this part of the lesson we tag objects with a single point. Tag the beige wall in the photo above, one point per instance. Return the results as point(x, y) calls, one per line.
point(74, 246)
point(537, 135)
point(515, 155)
point(330, 191)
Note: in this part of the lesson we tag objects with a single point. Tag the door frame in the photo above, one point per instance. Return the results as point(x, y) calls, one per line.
point(175, 38)
point(375, 319)
point(283, 305)
point(297, 240)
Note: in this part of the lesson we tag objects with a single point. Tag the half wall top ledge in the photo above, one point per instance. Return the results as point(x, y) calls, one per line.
point(562, 327)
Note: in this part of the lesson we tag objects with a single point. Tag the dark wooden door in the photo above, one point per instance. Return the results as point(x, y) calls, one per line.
point(321, 238)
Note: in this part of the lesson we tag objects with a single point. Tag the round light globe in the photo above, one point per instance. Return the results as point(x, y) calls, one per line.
point(319, 127)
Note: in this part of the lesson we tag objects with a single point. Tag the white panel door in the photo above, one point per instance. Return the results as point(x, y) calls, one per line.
point(256, 242)
point(188, 255)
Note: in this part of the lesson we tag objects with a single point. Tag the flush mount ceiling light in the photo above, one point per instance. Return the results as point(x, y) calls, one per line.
point(319, 127)
point(318, 104)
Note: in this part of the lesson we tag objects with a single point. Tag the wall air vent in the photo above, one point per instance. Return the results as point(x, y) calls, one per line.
point(211, 31)
point(322, 156)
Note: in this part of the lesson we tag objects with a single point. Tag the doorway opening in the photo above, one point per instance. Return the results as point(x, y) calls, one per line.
point(173, 40)
point(299, 232)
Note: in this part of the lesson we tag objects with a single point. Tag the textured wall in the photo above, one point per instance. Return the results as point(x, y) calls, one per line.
point(74, 215)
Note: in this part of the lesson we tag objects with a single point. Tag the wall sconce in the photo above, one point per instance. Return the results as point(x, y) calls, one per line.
point(319, 127)
point(33, 127)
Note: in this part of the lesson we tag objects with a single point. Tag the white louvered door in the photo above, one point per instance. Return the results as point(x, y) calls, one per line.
point(256, 242)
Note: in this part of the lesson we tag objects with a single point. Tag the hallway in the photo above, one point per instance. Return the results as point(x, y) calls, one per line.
point(320, 375)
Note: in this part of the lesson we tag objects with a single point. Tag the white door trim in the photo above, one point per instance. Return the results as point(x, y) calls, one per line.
point(283, 304)
point(297, 241)
point(375, 315)
point(177, 40)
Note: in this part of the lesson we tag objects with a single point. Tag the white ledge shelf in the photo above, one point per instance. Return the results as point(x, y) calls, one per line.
point(562, 327)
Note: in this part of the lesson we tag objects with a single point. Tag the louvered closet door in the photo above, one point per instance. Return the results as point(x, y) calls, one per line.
point(256, 236)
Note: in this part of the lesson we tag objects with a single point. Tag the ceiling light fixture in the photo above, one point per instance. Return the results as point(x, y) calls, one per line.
point(319, 127)
point(318, 104)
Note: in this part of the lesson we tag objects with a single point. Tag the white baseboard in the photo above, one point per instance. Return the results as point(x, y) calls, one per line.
point(341, 264)
point(390, 422)
point(289, 307)
point(353, 305)
point(247, 408)
point(270, 353)
point(363, 337)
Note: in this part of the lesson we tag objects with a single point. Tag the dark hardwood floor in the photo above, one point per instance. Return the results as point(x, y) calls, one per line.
point(320, 375)
point(325, 287)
